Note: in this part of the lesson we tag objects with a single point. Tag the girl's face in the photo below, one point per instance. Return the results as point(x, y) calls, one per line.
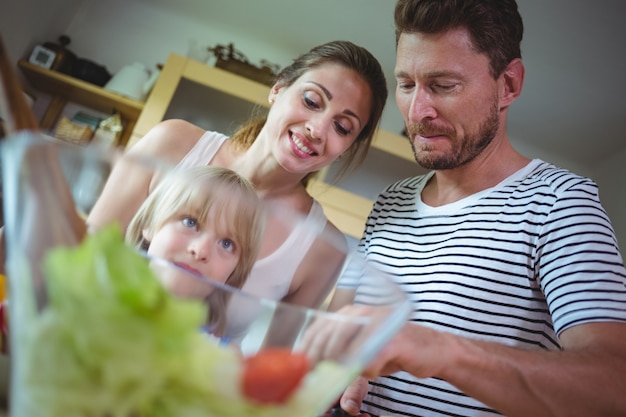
point(196, 247)
point(317, 118)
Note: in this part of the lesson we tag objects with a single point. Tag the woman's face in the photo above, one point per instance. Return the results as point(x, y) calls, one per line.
point(195, 246)
point(317, 118)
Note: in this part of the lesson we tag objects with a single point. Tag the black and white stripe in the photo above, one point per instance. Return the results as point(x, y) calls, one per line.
point(515, 264)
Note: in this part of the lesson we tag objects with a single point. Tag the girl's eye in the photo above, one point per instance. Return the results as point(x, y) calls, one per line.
point(227, 244)
point(190, 222)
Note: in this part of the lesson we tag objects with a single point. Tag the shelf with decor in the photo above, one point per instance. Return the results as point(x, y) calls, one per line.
point(220, 100)
point(64, 89)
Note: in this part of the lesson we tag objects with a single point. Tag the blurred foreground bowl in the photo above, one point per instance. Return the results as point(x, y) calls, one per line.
point(98, 329)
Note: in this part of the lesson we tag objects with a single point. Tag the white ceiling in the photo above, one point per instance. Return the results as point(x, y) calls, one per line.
point(571, 105)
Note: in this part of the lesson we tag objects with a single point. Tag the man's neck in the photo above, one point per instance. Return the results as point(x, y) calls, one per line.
point(483, 172)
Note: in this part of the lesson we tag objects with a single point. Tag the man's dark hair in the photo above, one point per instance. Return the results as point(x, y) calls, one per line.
point(495, 26)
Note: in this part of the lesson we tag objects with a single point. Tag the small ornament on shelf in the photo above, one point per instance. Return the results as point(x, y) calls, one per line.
point(109, 130)
point(79, 129)
point(230, 59)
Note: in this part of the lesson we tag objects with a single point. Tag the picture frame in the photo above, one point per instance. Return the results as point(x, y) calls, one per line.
point(42, 56)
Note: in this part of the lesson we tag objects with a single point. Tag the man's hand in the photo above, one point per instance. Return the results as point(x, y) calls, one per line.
point(416, 349)
point(331, 337)
point(353, 396)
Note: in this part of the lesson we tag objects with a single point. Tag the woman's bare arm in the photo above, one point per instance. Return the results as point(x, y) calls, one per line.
point(130, 181)
point(319, 270)
point(341, 297)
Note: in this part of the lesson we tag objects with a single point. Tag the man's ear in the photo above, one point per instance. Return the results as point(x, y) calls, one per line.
point(512, 82)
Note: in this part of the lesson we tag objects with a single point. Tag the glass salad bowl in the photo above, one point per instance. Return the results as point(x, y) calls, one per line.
point(99, 329)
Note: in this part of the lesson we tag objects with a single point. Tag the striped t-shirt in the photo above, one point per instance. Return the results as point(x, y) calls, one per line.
point(515, 264)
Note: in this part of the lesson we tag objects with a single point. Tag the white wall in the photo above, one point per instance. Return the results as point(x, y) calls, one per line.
point(25, 23)
point(148, 33)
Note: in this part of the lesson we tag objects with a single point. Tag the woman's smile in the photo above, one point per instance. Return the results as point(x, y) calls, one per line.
point(300, 147)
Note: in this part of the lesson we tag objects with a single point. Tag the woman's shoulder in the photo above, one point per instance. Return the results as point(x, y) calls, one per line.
point(171, 139)
point(317, 223)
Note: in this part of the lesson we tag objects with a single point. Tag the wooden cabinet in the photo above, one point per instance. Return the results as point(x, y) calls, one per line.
point(189, 89)
point(64, 88)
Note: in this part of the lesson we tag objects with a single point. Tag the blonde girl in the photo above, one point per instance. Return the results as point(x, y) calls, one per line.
point(208, 221)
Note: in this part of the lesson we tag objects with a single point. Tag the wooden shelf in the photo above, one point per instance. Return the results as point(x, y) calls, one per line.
point(64, 88)
point(178, 68)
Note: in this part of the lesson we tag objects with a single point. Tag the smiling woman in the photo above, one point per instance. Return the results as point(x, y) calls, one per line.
point(220, 101)
point(325, 105)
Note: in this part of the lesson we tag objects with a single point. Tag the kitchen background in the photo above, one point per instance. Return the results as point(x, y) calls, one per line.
point(570, 112)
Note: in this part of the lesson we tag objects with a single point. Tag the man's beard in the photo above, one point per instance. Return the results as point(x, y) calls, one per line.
point(463, 150)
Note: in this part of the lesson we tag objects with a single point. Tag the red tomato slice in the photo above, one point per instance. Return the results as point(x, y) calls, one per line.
point(273, 374)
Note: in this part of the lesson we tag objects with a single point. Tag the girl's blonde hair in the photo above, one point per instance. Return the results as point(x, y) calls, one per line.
point(196, 191)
